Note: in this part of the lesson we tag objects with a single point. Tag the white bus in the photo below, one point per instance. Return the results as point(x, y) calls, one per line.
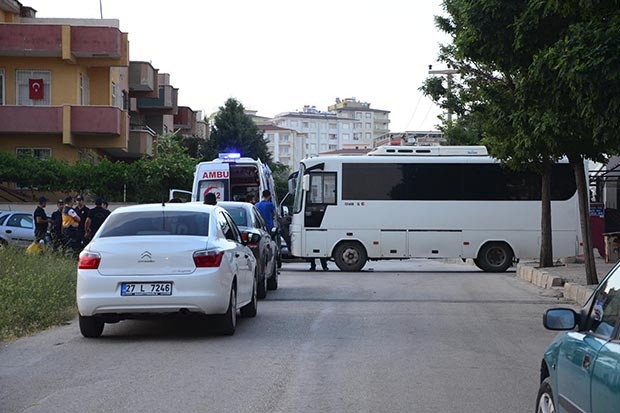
point(402, 202)
point(231, 178)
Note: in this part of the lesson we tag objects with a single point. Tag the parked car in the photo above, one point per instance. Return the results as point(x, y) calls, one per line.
point(580, 371)
point(158, 260)
point(266, 250)
point(16, 228)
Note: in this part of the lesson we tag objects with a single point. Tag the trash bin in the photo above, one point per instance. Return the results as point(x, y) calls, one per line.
point(612, 247)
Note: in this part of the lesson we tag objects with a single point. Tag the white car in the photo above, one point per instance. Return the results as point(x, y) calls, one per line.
point(163, 259)
point(16, 228)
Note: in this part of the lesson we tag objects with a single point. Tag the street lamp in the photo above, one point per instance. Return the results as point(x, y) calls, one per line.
point(449, 73)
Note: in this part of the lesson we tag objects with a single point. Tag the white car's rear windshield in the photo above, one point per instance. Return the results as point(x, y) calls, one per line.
point(156, 223)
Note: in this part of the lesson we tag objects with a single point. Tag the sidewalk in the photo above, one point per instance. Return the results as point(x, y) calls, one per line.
point(569, 277)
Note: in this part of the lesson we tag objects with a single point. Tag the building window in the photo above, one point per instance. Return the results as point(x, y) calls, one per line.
point(333, 126)
point(84, 90)
point(293, 123)
point(357, 125)
point(368, 115)
point(304, 124)
point(2, 87)
point(333, 136)
point(345, 136)
point(29, 93)
point(346, 126)
point(117, 96)
point(284, 149)
point(356, 136)
point(358, 115)
point(368, 125)
point(39, 153)
point(368, 136)
point(333, 147)
point(284, 138)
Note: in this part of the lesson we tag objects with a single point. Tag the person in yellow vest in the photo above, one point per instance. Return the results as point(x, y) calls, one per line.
point(70, 224)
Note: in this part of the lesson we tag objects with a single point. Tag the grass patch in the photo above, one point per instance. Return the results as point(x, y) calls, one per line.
point(36, 291)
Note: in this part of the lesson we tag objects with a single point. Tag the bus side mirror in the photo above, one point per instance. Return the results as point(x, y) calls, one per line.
point(305, 183)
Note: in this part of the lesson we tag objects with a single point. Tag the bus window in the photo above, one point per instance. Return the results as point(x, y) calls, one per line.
point(322, 188)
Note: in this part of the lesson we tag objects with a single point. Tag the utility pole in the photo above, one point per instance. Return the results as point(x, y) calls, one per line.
point(100, 9)
point(448, 73)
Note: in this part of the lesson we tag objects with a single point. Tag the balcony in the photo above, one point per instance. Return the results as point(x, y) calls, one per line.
point(67, 42)
point(83, 120)
point(164, 104)
point(143, 80)
point(185, 119)
point(140, 142)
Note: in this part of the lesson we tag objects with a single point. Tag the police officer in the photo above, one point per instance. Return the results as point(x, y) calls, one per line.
point(82, 211)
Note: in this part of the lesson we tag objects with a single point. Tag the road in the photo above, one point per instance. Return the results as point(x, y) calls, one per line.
point(414, 336)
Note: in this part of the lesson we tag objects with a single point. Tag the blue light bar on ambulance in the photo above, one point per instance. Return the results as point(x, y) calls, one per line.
point(230, 156)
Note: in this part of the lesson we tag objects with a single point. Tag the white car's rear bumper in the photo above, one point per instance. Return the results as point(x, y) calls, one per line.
point(206, 292)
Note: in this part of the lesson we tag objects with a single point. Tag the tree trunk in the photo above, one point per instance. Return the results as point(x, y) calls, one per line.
point(546, 237)
point(577, 162)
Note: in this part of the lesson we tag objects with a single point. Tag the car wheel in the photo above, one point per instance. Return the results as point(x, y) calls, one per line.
point(262, 284)
point(544, 401)
point(350, 256)
point(91, 327)
point(272, 282)
point(227, 322)
point(494, 257)
point(249, 310)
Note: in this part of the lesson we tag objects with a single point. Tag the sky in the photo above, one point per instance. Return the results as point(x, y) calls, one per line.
point(277, 56)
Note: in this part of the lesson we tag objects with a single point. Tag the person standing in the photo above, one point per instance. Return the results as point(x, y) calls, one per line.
point(57, 225)
point(95, 218)
point(323, 264)
point(70, 224)
point(82, 211)
point(41, 220)
point(267, 209)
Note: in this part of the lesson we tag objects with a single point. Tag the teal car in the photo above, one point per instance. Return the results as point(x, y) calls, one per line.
point(580, 371)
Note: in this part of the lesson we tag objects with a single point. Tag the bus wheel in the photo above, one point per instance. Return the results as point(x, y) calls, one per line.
point(494, 257)
point(350, 256)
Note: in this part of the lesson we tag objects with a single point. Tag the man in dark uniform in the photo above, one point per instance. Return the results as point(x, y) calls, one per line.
point(82, 211)
point(95, 218)
point(57, 225)
point(41, 220)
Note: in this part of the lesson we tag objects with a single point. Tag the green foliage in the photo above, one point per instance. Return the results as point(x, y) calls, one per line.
point(234, 131)
point(36, 292)
point(280, 177)
point(145, 180)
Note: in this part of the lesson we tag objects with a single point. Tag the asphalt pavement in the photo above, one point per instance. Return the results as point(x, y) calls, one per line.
point(569, 278)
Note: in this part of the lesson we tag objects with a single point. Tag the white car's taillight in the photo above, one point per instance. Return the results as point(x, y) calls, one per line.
point(89, 261)
point(204, 259)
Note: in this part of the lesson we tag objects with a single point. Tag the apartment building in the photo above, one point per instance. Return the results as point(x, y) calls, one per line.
point(348, 124)
point(63, 84)
point(420, 138)
point(368, 123)
point(286, 145)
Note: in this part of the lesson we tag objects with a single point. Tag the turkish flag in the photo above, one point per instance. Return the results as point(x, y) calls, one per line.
point(36, 88)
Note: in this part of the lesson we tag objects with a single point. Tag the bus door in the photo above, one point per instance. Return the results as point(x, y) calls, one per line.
point(320, 195)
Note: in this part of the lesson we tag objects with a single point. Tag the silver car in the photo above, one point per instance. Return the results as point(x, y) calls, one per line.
point(158, 260)
point(16, 228)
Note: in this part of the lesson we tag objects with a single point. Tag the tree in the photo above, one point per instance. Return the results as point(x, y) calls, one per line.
point(485, 98)
point(572, 87)
point(234, 131)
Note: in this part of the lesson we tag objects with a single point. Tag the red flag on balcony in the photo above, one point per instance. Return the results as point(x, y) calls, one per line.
point(36, 88)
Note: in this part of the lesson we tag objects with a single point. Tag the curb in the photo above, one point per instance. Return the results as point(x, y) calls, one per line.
point(541, 278)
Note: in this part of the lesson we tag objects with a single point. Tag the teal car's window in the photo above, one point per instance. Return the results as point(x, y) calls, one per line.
point(605, 311)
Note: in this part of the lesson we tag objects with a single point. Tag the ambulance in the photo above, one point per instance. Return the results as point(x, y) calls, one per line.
point(231, 178)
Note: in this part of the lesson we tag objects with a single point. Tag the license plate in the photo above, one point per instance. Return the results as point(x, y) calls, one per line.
point(156, 288)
